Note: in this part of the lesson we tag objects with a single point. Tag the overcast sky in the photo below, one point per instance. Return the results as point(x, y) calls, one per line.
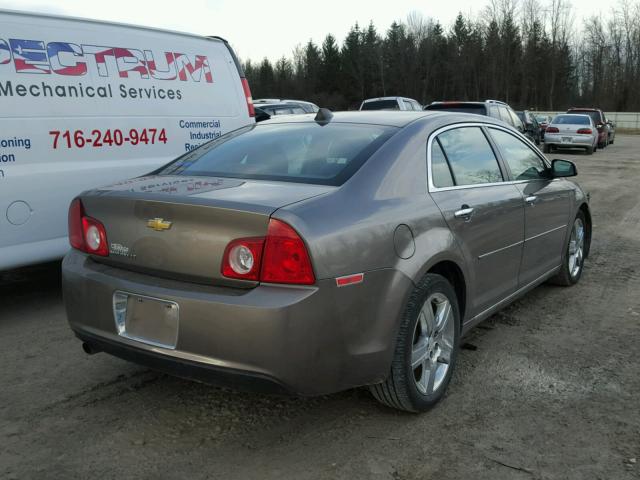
point(269, 28)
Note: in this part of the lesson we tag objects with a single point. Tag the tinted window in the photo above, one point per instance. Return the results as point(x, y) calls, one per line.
point(294, 152)
point(478, 109)
point(470, 156)
point(571, 120)
point(439, 168)
point(381, 105)
point(523, 162)
point(595, 116)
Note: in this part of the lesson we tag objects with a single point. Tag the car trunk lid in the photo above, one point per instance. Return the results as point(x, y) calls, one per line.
point(178, 227)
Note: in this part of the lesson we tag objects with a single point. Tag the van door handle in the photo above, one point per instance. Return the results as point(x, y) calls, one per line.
point(465, 212)
point(531, 200)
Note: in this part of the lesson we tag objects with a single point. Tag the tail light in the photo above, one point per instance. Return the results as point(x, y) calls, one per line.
point(552, 130)
point(585, 131)
point(85, 233)
point(280, 257)
point(247, 94)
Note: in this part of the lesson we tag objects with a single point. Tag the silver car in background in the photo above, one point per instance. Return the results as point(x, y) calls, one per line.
point(571, 131)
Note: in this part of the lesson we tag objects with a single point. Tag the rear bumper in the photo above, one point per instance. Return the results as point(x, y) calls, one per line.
point(580, 141)
point(309, 340)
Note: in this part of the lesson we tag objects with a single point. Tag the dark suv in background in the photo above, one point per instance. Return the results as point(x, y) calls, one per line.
point(605, 128)
point(489, 108)
point(531, 126)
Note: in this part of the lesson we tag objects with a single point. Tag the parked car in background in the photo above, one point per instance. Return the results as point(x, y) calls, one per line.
point(543, 121)
point(490, 108)
point(84, 102)
point(255, 270)
point(264, 111)
point(308, 107)
point(612, 131)
point(391, 103)
point(600, 122)
point(531, 126)
point(571, 131)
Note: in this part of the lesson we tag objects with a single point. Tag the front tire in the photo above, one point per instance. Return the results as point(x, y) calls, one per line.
point(426, 348)
point(575, 253)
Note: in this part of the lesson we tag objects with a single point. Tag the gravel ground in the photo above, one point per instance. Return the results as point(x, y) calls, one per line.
point(547, 389)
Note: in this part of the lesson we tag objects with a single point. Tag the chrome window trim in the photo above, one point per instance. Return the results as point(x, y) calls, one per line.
point(431, 188)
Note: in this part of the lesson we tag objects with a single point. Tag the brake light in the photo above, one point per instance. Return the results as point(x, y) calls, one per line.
point(85, 233)
point(247, 94)
point(585, 131)
point(286, 259)
point(552, 130)
point(280, 257)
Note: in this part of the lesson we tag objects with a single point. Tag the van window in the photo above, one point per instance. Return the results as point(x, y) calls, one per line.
point(290, 152)
point(470, 156)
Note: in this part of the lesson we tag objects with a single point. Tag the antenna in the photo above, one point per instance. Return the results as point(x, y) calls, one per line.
point(323, 116)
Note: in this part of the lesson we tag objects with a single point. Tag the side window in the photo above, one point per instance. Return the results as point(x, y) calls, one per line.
point(470, 156)
point(504, 115)
point(439, 167)
point(407, 105)
point(416, 106)
point(522, 160)
point(515, 121)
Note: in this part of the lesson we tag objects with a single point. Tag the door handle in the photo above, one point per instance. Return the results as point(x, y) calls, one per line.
point(531, 200)
point(465, 212)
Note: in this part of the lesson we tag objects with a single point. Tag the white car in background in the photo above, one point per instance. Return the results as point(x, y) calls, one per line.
point(88, 103)
point(571, 131)
point(391, 103)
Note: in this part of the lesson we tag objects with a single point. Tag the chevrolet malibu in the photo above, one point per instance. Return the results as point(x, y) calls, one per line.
point(316, 254)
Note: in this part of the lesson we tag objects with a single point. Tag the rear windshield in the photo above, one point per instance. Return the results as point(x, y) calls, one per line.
point(595, 116)
point(381, 105)
point(292, 152)
point(571, 120)
point(458, 107)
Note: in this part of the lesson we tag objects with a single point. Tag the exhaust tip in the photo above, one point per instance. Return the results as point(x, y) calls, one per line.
point(89, 349)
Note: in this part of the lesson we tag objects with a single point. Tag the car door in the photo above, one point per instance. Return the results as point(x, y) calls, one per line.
point(547, 205)
point(485, 214)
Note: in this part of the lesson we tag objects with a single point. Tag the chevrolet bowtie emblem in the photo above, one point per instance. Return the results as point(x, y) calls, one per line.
point(158, 224)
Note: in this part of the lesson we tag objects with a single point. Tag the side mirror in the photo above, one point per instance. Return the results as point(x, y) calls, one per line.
point(563, 168)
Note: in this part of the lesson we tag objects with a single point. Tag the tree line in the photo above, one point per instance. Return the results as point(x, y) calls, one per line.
point(532, 54)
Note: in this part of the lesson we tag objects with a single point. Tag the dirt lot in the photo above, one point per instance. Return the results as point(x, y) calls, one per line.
point(552, 390)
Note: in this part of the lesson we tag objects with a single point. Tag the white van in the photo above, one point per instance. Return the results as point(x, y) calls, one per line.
point(86, 103)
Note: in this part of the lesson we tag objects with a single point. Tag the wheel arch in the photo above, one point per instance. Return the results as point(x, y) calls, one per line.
point(584, 208)
point(455, 276)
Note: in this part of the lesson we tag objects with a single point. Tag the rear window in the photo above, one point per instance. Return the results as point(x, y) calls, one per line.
point(595, 116)
point(381, 105)
point(458, 107)
point(292, 152)
point(571, 120)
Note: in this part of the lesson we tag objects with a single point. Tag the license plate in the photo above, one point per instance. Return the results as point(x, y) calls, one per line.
point(566, 139)
point(146, 319)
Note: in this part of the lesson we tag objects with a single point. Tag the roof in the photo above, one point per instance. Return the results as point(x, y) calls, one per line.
point(392, 118)
point(107, 23)
point(377, 99)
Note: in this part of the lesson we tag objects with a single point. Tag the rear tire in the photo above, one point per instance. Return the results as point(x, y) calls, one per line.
point(546, 148)
point(426, 348)
point(575, 253)
point(589, 150)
